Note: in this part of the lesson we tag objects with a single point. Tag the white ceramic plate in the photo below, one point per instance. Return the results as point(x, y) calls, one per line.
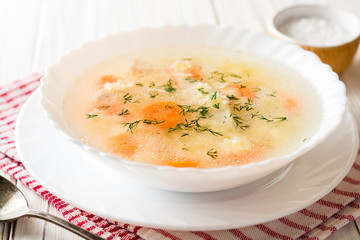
point(70, 173)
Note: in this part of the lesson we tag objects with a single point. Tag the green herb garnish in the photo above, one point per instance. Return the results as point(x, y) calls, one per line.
point(168, 86)
point(261, 117)
point(153, 95)
point(239, 121)
point(202, 90)
point(192, 80)
point(281, 119)
point(127, 98)
point(247, 105)
point(103, 107)
point(232, 97)
point(213, 96)
point(234, 75)
point(212, 153)
point(132, 126)
point(124, 112)
point(257, 89)
point(150, 121)
point(272, 94)
point(91, 115)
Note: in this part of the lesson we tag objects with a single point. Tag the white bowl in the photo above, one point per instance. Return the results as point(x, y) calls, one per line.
point(59, 76)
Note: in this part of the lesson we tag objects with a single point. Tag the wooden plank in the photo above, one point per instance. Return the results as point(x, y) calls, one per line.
point(58, 32)
point(5, 228)
point(30, 227)
point(351, 79)
point(5, 231)
point(348, 232)
point(52, 231)
point(357, 223)
point(237, 13)
point(17, 35)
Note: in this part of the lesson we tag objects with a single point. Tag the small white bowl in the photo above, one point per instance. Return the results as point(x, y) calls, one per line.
point(337, 54)
point(60, 75)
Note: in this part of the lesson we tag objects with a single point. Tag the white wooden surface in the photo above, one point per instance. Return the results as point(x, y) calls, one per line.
point(33, 34)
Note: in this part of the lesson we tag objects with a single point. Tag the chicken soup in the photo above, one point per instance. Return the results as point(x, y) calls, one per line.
point(201, 107)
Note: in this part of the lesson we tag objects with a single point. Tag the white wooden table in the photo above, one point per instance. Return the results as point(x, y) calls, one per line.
point(33, 34)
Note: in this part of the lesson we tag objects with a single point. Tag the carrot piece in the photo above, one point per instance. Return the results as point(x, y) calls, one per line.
point(246, 92)
point(290, 104)
point(181, 162)
point(243, 157)
point(108, 79)
point(166, 113)
point(243, 91)
point(123, 145)
point(194, 73)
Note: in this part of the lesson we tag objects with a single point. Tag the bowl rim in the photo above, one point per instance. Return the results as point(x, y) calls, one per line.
point(274, 30)
point(286, 159)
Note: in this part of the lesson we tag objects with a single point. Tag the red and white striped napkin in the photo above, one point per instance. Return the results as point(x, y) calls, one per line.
point(317, 221)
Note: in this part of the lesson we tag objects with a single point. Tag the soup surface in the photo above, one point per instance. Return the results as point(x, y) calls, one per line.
point(203, 107)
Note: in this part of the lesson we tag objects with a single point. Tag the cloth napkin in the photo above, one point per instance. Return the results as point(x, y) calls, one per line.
point(317, 221)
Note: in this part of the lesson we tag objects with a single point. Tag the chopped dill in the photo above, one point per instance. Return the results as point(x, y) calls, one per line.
point(212, 153)
point(272, 94)
point(202, 90)
point(131, 126)
point(232, 97)
point(127, 98)
point(126, 112)
point(193, 125)
point(213, 96)
point(192, 80)
point(103, 107)
point(234, 75)
point(204, 112)
point(217, 105)
point(153, 95)
point(281, 119)
point(150, 121)
point(239, 121)
point(168, 86)
point(247, 105)
point(91, 115)
point(257, 89)
point(261, 117)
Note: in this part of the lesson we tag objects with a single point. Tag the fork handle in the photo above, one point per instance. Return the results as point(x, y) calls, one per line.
point(63, 223)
